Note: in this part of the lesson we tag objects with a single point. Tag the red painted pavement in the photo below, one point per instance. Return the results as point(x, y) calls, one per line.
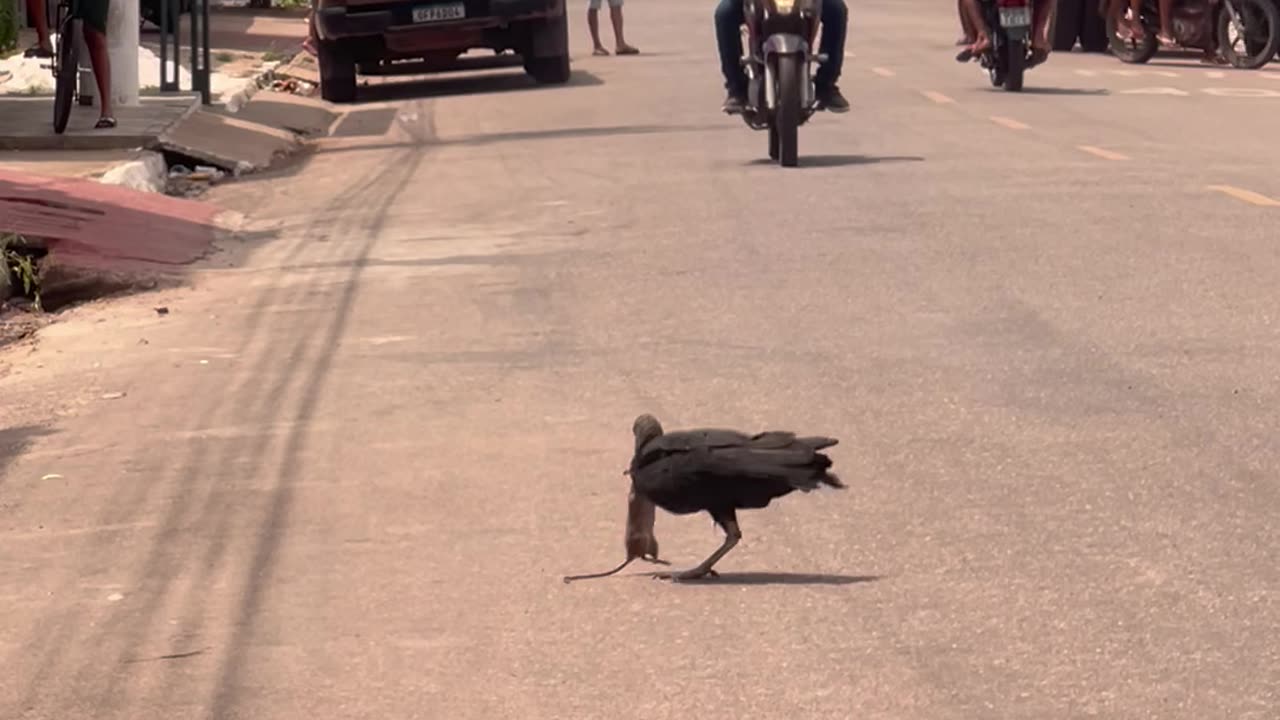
point(89, 224)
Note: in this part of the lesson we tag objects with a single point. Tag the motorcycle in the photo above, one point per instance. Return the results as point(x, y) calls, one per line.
point(1009, 56)
point(779, 64)
point(1204, 25)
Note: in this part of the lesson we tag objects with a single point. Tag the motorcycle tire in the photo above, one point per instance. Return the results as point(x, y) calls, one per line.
point(1251, 10)
point(1137, 52)
point(1017, 64)
point(787, 118)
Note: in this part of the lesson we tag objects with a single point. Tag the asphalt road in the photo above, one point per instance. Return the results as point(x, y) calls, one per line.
point(352, 463)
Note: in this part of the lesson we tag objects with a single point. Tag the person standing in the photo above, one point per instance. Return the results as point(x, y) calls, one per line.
point(43, 48)
point(93, 17)
point(593, 23)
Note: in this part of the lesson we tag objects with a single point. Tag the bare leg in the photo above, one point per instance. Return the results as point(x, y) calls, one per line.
point(966, 25)
point(36, 11)
point(731, 537)
point(615, 15)
point(1166, 23)
point(1040, 25)
point(1135, 21)
point(983, 41)
point(593, 24)
point(97, 43)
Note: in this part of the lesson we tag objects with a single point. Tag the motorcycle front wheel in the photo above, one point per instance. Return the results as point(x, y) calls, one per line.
point(1133, 52)
point(1258, 40)
point(786, 121)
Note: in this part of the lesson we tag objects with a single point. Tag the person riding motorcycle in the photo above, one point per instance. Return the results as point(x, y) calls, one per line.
point(730, 16)
point(1040, 45)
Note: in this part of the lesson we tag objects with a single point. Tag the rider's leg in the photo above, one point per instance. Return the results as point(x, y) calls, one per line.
point(835, 26)
point(729, 19)
point(983, 40)
point(1135, 20)
point(966, 25)
point(1040, 43)
point(1166, 23)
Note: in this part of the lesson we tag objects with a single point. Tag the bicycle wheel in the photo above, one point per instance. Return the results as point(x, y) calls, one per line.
point(66, 68)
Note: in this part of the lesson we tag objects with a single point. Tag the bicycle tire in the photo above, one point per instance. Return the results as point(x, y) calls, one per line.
point(66, 67)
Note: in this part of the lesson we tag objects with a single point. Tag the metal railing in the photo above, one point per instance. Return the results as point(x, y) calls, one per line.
point(171, 46)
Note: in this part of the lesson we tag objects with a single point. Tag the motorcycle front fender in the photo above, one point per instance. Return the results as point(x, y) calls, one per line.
point(785, 44)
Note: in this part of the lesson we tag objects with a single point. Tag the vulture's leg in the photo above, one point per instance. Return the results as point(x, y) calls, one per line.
point(731, 537)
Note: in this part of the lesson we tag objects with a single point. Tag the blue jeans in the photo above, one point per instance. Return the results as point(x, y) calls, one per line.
point(729, 20)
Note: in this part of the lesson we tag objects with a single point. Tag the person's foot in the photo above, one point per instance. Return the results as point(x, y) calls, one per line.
point(1167, 39)
point(38, 51)
point(1039, 53)
point(830, 99)
point(965, 40)
point(625, 49)
point(735, 103)
point(599, 50)
point(106, 122)
point(979, 46)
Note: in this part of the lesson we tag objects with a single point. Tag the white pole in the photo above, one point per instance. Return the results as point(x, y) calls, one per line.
point(122, 48)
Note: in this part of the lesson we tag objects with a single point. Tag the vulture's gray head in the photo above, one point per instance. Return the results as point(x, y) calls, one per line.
point(646, 428)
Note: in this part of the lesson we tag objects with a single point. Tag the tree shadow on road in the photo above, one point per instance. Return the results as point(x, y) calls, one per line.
point(15, 440)
point(830, 161)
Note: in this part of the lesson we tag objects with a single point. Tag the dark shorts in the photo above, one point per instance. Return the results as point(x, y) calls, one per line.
point(94, 14)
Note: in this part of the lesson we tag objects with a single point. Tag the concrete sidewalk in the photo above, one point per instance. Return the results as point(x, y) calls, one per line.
point(26, 123)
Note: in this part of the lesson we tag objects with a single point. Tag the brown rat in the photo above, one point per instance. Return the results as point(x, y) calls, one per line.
point(639, 539)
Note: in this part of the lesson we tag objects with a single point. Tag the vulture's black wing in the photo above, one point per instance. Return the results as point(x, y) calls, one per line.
point(698, 470)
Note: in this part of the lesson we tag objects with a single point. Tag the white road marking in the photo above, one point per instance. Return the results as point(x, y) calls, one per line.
point(1104, 154)
point(882, 72)
point(1087, 73)
point(1242, 92)
point(1009, 122)
point(1248, 196)
point(937, 97)
point(1215, 74)
point(1156, 91)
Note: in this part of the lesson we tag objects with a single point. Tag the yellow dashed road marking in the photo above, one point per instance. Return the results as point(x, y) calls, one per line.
point(1248, 196)
point(937, 97)
point(1104, 154)
point(1009, 123)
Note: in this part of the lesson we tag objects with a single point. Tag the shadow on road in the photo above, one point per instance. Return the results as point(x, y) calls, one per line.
point(417, 88)
point(15, 440)
point(830, 161)
point(779, 578)
point(1084, 92)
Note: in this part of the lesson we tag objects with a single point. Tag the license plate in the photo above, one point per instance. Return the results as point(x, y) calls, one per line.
point(1015, 16)
point(439, 13)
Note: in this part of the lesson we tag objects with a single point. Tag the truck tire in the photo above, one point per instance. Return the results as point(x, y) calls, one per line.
point(1066, 24)
point(337, 72)
point(547, 57)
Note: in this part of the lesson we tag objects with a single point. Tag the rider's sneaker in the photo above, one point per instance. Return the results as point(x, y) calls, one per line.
point(830, 99)
point(735, 103)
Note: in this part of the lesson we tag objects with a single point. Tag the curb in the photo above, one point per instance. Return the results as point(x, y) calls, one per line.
point(146, 173)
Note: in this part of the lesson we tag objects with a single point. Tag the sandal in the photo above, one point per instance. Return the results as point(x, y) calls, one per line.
point(105, 123)
point(35, 51)
point(600, 51)
point(628, 50)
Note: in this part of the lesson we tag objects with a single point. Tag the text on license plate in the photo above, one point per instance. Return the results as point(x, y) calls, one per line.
point(1015, 16)
point(439, 13)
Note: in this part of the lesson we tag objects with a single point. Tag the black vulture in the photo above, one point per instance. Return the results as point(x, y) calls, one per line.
point(719, 471)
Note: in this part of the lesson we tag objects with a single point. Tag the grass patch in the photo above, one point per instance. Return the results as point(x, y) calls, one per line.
point(224, 57)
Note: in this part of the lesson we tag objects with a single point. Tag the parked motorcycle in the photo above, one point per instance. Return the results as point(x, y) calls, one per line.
point(779, 63)
point(1245, 33)
point(1009, 56)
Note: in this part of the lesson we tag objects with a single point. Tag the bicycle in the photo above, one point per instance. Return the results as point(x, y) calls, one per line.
point(66, 61)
